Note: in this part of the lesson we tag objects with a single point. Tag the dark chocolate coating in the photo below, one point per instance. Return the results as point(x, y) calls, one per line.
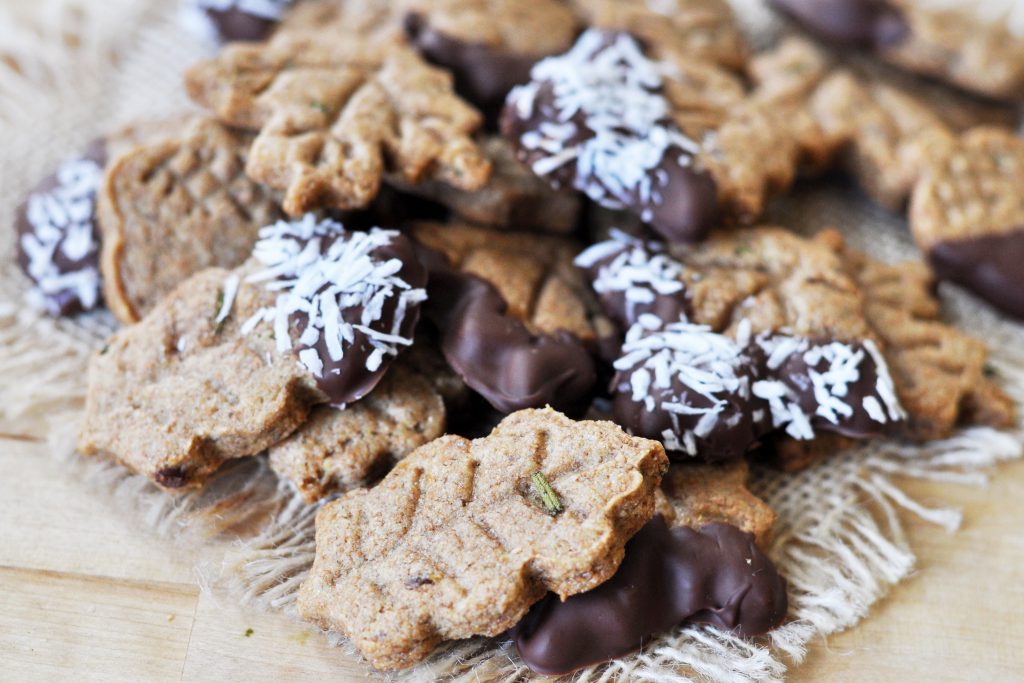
point(483, 74)
point(348, 380)
point(689, 206)
point(66, 301)
point(669, 576)
point(667, 307)
point(734, 434)
point(795, 372)
point(873, 23)
point(991, 266)
point(496, 355)
point(238, 25)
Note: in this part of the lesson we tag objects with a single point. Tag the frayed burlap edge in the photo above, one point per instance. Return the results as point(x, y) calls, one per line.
point(839, 539)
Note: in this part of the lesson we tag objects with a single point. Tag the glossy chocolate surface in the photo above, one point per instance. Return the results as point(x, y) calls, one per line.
point(991, 266)
point(495, 353)
point(483, 74)
point(670, 576)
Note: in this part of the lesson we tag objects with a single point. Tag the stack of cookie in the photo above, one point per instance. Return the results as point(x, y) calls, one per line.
point(403, 224)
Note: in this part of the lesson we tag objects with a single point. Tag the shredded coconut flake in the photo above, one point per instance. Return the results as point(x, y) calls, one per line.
point(320, 270)
point(62, 223)
point(229, 292)
point(613, 122)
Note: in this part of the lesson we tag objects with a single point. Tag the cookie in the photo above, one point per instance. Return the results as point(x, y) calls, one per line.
point(880, 125)
point(967, 215)
point(58, 238)
point(338, 450)
point(965, 44)
point(747, 333)
point(170, 209)
point(680, 145)
point(58, 244)
point(698, 495)
point(236, 20)
point(515, 319)
point(940, 372)
point(231, 362)
point(488, 45)
point(513, 198)
point(333, 115)
point(680, 30)
point(670, 576)
point(463, 536)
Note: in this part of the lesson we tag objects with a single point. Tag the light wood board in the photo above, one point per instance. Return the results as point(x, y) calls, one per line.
point(87, 595)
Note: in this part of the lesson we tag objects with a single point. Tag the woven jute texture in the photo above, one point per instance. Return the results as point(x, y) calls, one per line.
point(72, 69)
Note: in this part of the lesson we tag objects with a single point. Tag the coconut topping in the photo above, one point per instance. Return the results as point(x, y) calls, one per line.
point(597, 117)
point(711, 394)
point(348, 293)
point(58, 242)
point(630, 275)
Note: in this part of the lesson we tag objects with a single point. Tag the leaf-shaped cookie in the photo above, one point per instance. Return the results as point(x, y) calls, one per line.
point(231, 362)
point(463, 536)
point(489, 45)
point(170, 209)
point(335, 113)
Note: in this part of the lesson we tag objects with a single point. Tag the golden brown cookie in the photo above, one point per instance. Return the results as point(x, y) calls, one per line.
point(170, 209)
point(513, 198)
point(463, 536)
point(748, 333)
point(970, 44)
point(177, 394)
point(967, 215)
point(334, 114)
point(231, 362)
point(696, 495)
point(883, 125)
point(58, 236)
point(488, 45)
point(678, 142)
point(939, 371)
point(338, 450)
point(684, 30)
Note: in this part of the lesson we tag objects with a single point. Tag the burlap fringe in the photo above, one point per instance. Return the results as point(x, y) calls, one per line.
point(839, 540)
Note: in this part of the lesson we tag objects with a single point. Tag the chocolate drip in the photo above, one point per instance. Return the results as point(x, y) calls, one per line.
point(716, 576)
point(676, 198)
point(495, 354)
point(348, 379)
point(484, 75)
point(65, 301)
point(991, 266)
point(874, 23)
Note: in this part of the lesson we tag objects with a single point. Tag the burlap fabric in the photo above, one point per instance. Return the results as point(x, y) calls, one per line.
point(71, 69)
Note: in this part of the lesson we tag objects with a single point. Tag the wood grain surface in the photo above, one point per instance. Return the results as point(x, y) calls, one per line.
point(88, 595)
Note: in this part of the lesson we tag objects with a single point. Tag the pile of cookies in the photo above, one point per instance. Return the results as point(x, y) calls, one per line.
point(484, 279)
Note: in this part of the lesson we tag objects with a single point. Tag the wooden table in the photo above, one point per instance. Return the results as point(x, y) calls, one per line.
point(86, 594)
